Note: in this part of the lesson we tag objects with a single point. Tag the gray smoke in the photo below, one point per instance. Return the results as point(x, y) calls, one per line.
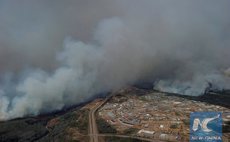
point(58, 53)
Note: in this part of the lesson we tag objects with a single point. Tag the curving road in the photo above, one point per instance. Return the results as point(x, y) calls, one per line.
point(93, 132)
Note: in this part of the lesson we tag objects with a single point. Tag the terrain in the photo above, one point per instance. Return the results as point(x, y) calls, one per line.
point(131, 114)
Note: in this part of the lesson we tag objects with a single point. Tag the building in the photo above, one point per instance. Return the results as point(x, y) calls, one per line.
point(145, 133)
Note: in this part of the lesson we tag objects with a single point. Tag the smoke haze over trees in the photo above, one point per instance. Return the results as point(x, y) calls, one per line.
point(57, 53)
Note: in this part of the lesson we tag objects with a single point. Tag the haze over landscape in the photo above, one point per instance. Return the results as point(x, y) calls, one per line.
point(58, 53)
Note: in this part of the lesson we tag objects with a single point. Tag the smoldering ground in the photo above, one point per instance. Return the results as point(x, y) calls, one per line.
point(58, 53)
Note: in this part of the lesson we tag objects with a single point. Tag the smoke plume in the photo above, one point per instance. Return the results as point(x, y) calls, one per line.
point(58, 53)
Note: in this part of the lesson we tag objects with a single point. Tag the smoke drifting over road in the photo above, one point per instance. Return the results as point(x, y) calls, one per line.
point(58, 53)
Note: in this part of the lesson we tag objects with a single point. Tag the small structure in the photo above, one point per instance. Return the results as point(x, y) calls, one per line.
point(161, 126)
point(145, 133)
point(164, 137)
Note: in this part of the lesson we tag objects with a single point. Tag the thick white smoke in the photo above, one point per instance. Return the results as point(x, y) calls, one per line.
point(182, 46)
